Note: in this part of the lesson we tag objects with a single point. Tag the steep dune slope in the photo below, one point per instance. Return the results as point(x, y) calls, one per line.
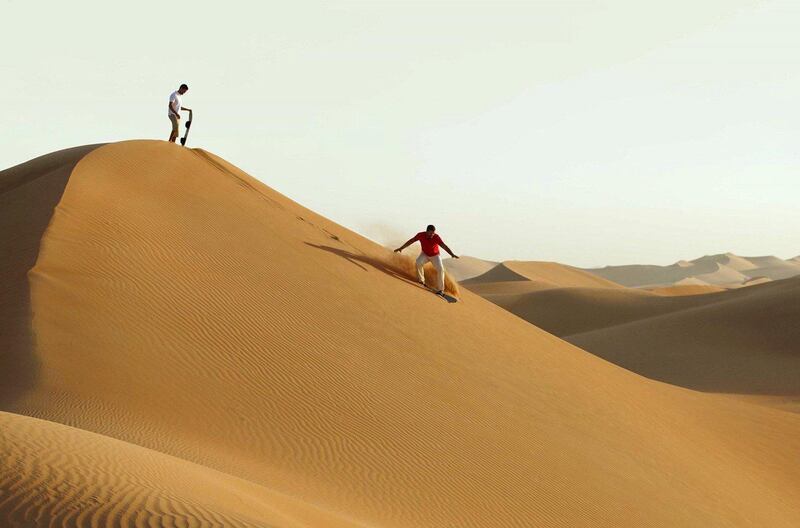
point(181, 306)
point(28, 195)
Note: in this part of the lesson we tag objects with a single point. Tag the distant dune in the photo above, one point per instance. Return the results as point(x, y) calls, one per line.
point(467, 267)
point(753, 282)
point(729, 260)
point(545, 274)
point(184, 346)
point(702, 337)
point(689, 281)
point(513, 287)
point(687, 289)
point(744, 342)
point(723, 275)
point(766, 262)
point(776, 270)
point(567, 311)
point(726, 270)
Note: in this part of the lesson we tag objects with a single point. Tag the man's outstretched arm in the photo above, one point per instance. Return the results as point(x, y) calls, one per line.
point(448, 249)
point(401, 248)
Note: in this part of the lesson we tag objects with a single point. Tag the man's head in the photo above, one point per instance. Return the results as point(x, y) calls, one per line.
point(183, 89)
point(430, 230)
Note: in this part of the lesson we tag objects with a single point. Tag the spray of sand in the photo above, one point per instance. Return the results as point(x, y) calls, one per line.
point(406, 265)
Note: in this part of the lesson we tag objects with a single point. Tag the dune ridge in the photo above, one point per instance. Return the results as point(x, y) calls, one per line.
point(183, 309)
point(28, 195)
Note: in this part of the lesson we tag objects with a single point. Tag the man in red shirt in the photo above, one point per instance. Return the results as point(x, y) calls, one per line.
point(430, 243)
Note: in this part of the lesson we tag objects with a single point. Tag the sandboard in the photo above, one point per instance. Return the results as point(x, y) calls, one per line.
point(446, 296)
point(188, 124)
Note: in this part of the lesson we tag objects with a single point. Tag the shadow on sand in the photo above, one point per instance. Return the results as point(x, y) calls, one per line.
point(29, 194)
point(395, 272)
point(372, 262)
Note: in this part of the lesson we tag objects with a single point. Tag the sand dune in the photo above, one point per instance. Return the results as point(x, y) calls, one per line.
point(28, 194)
point(746, 343)
point(776, 270)
point(753, 282)
point(225, 357)
point(513, 287)
point(687, 289)
point(723, 275)
point(546, 274)
point(64, 476)
point(766, 261)
point(702, 337)
point(725, 269)
point(642, 275)
point(691, 281)
point(728, 260)
point(566, 311)
point(467, 267)
point(688, 286)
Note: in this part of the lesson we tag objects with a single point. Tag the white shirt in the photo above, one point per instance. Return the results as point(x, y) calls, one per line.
point(174, 97)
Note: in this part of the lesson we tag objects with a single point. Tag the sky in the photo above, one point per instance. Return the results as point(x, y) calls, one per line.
point(586, 132)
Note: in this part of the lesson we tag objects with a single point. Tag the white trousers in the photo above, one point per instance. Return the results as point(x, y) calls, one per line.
point(436, 260)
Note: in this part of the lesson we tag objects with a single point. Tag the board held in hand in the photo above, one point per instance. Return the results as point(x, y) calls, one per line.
point(188, 125)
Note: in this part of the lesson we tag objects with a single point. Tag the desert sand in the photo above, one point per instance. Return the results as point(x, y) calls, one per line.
point(184, 346)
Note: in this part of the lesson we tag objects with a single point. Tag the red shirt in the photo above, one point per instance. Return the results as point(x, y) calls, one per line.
point(430, 246)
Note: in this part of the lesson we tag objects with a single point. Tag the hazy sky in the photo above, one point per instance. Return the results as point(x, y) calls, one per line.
point(586, 132)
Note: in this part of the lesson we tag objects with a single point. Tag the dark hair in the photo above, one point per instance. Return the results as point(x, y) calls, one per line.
point(431, 227)
point(184, 87)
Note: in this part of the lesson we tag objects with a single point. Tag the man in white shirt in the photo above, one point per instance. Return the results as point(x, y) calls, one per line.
point(174, 111)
